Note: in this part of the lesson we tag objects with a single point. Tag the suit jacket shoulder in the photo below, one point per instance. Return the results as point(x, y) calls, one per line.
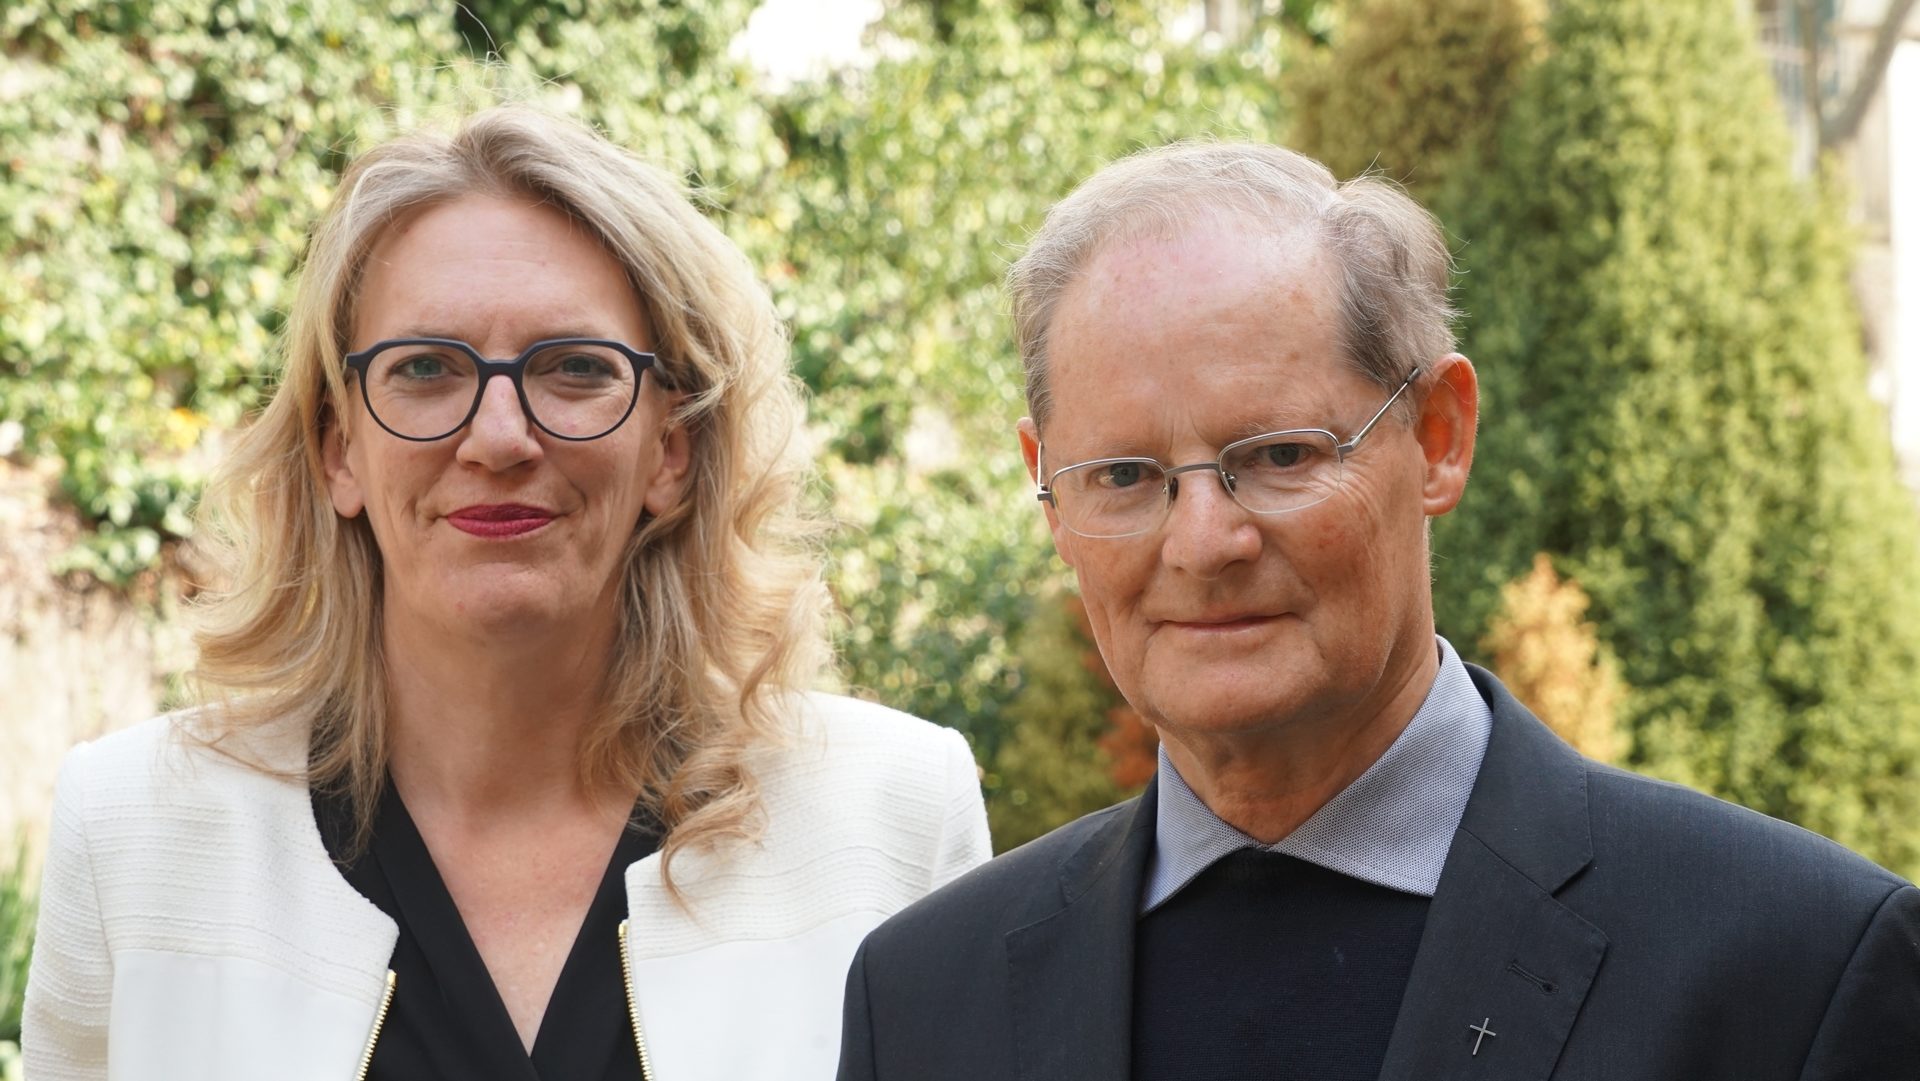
point(1014, 889)
point(1621, 926)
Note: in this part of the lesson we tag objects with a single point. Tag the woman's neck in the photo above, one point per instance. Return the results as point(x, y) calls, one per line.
point(491, 724)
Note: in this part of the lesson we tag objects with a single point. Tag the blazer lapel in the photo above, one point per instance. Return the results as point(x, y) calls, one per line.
point(1070, 973)
point(1500, 953)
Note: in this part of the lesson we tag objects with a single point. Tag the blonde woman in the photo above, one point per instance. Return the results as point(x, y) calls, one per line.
point(507, 768)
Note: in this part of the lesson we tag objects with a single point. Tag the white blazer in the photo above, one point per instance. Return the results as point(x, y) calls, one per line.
point(192, 925)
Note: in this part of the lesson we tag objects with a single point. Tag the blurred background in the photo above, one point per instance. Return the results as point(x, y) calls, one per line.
point(1689, 243)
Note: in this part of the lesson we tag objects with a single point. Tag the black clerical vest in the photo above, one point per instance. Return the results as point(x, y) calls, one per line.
point(1265, 966)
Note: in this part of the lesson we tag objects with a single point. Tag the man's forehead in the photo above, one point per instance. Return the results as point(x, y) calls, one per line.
point(1224, 329)
point(1208, 253)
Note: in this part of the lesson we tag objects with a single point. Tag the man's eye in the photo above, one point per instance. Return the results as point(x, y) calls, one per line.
point(1122, 475)
point(1286, 455)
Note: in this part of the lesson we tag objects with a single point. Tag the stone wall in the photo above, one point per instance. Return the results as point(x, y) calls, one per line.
point(76, 659)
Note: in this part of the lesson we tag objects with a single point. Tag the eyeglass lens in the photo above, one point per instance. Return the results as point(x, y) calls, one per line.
point(425, 391)
point(1120, 497)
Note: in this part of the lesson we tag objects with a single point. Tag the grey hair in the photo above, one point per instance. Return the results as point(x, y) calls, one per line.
point(1390, 253)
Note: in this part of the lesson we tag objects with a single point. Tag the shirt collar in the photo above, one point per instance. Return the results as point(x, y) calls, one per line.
point(1392, 826)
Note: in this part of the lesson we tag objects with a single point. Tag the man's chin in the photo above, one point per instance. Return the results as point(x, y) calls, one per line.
point(1221, 715)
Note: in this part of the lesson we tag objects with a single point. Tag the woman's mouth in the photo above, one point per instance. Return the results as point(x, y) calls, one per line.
point(499, 520)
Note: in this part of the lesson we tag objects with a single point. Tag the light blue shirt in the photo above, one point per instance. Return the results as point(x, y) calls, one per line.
point(1392, 826)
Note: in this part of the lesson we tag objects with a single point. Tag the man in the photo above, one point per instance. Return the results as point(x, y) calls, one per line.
point(1360, 858)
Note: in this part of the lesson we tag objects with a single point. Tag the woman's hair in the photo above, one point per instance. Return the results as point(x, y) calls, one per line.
point(1390, 253)
point(722, 605)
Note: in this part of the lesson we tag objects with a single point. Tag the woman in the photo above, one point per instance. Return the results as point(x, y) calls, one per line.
point(506, 769)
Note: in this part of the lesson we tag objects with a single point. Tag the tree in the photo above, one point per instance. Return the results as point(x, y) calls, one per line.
point(1415, 90)
point(1675, 411)
point(908, 189)
point(164, 158)
point(1836, 127)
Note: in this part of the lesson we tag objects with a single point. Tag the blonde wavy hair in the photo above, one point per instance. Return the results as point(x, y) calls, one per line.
point(723, 607)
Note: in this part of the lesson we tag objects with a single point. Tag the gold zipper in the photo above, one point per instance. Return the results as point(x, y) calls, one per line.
point(633, 1006)
point(379, 1019)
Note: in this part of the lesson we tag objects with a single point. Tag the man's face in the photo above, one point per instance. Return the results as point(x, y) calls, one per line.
point(1223, 621)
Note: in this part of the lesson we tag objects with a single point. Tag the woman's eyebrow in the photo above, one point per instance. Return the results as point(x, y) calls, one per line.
point(549, 334)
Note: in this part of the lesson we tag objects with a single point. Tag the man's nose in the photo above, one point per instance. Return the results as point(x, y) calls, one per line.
point(501, 434)
point(1207, 531)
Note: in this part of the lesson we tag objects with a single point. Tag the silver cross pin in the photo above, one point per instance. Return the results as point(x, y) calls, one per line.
point(1484, 1032)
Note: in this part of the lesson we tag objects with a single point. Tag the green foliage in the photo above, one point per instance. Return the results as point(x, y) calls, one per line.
point(164, 159)
point(934, 574)
point(17, 912)
point(1552, 660)
point(162, 163)
point(1416, 89)
point(908, 188)
point(1051, 768)
point(1675, 411)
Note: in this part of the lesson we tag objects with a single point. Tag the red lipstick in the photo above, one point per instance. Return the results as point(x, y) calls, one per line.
point(501, 520)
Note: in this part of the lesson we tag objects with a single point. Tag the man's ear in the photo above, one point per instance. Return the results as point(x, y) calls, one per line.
point(342, 486)
point(1030, 450)
point(668, 485)
point(1449, 415)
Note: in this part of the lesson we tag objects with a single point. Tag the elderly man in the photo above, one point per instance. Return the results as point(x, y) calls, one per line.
point(1360, 858)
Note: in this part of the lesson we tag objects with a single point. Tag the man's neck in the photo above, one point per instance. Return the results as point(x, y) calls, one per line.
point(1268, 782)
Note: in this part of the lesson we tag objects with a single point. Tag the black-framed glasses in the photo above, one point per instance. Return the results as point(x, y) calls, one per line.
point(423, 389)
point(1273, 473)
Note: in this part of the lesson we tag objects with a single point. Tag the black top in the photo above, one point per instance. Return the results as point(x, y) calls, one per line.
point(446, 1020)
point(1268, 966)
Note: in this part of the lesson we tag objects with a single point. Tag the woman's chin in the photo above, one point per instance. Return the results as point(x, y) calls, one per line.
point(516, 606)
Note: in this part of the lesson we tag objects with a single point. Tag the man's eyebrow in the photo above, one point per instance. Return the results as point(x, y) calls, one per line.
point(1127, 447)
point(1280, 419)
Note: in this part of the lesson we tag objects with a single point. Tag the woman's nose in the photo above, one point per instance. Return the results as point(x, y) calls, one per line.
point(500, 435)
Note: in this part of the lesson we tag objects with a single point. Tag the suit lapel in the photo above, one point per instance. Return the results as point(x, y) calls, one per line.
point(1070, 973)
point(1499, 951)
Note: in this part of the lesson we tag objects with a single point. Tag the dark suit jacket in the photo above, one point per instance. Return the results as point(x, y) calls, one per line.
point(1608, 927)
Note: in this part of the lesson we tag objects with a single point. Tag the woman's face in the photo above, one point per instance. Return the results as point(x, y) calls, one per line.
point(500, 528)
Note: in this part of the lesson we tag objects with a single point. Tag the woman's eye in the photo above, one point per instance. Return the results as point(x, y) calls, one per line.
point(420, 367)
point(576, 369)
point(581, 364)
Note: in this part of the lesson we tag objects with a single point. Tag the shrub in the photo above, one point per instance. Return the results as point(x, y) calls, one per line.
point(1553, 661)
point(1675, 411)
point(17, 912)
point(1056, 763)
point(1413, 88)
point(163, 160)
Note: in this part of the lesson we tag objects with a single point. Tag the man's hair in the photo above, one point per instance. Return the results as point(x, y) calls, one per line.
point(722, 604)
point(1390, 253)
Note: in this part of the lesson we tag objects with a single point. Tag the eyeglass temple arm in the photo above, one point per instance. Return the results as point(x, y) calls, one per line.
point(1347, 447)
point(1045, 494)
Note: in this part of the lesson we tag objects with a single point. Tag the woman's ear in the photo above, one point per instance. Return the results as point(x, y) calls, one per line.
point(343, 487)
point(668, 484)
